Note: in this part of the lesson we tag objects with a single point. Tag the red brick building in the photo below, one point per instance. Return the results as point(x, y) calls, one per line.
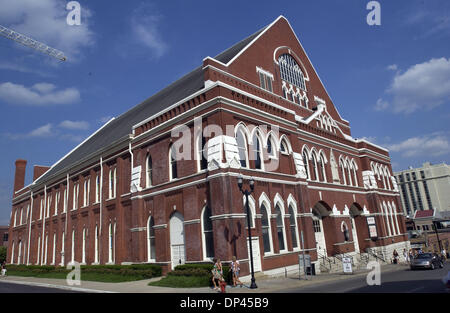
point(259, 110)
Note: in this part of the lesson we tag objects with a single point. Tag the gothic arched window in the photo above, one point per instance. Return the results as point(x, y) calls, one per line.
point(291, 71)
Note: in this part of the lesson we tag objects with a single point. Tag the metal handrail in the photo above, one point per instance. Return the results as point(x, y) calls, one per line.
point(325, 259)
point(376, 255)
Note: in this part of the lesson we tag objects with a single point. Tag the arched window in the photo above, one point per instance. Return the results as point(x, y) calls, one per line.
point(111, 244)
point(355, 176)
point(19, 254)
point(342, 164)
point(386, 214)
point(83, 254)
point(62, 248)
point(112, 182)
point(270, 146)
point(73, 246)
point(257, 152)
point(293, 227)
point(54, 249)
point(148, 170)
point(322, 167)
point(280, 228)
point(45, 249)
point(202, 151)
point(284, 146)
point(267, 235)
point(314, 167)
point(12, 252)
point(291, 71)
point(97, 189)
point(242, 147)
point(207, 229)
point(349, 171)
point(173, 163)
point(306, 163)
point(151, 245)
point(96, 258)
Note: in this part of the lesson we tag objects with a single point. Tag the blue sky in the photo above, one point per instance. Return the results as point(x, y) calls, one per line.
point(392, 82)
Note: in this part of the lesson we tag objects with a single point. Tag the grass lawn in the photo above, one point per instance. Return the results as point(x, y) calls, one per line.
point(182, 282)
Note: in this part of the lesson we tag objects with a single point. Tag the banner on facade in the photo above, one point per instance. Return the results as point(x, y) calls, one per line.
point(372, 227)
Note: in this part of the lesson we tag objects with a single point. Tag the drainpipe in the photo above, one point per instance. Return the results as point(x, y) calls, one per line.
point(66, 200)
point(30, 212)
point(43, 224)
point(101, 210)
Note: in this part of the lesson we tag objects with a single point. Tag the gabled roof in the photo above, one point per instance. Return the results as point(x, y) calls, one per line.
point(230, 53)
point(121, 126)
point(424, 214)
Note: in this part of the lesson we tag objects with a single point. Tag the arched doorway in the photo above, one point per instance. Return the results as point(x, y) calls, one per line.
point(177, 239)
point(356, 219)
point(319, 212)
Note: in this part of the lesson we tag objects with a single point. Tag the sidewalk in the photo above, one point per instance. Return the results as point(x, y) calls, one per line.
point(265, 284)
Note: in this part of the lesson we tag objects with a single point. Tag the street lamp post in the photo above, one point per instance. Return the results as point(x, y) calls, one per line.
point(247, 193)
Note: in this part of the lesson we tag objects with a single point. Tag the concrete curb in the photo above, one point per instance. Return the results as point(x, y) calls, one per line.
point(55, 286)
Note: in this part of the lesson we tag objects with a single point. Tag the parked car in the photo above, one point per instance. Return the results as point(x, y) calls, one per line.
point(427, 260)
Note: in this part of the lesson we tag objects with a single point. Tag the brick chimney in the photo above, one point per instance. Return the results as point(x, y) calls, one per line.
point(19, 176)
point(39, 171)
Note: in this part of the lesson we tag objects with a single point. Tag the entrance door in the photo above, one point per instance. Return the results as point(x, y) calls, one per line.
point(256, 254)
point(319, 236)
point(355, 235)
point(177, 240)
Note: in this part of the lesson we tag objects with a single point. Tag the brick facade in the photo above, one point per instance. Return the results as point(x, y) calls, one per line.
point(231, 99)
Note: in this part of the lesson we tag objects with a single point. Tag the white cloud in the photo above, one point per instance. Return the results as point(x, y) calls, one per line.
point(422, 86)
point(145, 28)
point(77, 125)
point(435, 144)
point(392, 67)
point(40, 94)
point(45, 21)
point(40, 132)
point(43, 131)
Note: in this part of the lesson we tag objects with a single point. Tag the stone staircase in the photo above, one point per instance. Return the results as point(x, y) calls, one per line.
point(334, 264)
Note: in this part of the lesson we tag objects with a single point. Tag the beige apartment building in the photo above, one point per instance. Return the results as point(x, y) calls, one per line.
point(425, 188)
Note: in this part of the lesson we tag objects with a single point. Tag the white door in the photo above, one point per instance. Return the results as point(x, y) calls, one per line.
point(320, 237)
point(256, 254)
point(355, 235)
point(177, 240)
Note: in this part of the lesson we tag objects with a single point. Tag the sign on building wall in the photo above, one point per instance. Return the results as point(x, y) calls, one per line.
point(371, 223)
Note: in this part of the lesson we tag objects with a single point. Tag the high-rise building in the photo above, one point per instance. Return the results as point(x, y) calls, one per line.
point(425, 188)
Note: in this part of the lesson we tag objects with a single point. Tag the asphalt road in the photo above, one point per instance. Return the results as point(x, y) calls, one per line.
point(18, 288)
point(403, 281)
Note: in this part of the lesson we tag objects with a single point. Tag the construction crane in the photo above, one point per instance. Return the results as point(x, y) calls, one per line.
point(27, 41)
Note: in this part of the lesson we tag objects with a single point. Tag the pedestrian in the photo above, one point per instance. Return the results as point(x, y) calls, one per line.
point(411, 254)
point(444, 254)
point(405, 255)
point(217, 274)
point(3, 268)
point(235, 269)
point(395, 255)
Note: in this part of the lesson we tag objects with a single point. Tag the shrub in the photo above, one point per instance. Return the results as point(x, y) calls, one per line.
point(200, 270)
point(138, 271)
